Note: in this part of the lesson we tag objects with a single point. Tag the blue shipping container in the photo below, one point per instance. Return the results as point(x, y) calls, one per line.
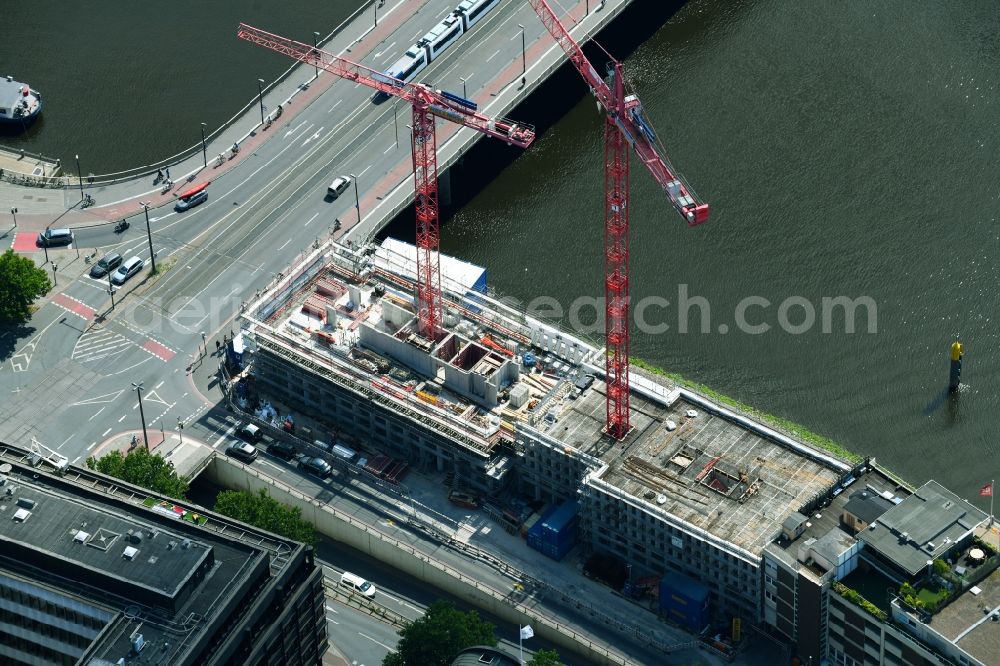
point(554, 543)
point(684, 600)
point(563, 518)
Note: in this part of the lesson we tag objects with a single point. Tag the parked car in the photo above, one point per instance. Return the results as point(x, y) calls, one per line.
point(249, 432)
point(316, 466)
point(106, 264)
point(282, 450)
point(467, 500)
point(242, 451)
point(52, 237)
point(127, 270)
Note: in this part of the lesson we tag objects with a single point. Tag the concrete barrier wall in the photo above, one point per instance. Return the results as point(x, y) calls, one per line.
point(344, 528)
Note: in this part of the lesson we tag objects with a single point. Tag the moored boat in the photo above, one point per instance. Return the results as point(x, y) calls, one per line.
point(19, 104)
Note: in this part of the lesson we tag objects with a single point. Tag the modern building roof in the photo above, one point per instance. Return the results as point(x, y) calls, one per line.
point(867, 505)
point(922, 527)
point(93, 541)
point(148, 560)
point(972, 621)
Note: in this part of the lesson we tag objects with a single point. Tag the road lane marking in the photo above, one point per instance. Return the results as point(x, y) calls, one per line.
point(98, 413)
point(335, 105)
point(105, 433)
point(379, 54)
point(363, 170)
point(285, 244)
point(386, 151)
point(123, 415)
point(493, 56)
point(64, 443)
point(159, 385)
point(390, 649)
point(311, 219)
point(293, 131)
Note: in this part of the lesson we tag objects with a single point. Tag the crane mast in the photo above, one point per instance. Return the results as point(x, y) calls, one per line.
point(625, 125)
point(427, 105)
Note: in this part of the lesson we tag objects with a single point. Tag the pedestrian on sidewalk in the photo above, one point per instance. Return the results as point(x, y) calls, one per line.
point(168, 173)
point(217, 345)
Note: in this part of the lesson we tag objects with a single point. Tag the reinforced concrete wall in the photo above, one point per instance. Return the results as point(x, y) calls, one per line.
point(348, 530)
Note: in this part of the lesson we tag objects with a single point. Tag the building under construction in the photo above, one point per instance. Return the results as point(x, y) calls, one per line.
point(500, 400)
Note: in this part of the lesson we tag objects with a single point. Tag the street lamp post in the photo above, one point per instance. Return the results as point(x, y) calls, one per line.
point(376, 5)
point(316, 51)
point(464, 93)
point(204, 344)
point(204, 148)
point(138, 392)
point(13, 211)
point(111, 290)
point(260, 97)
point(357, 201)
point(55, 282)
point(45, 246)
point(149, 237)
point(180, 429)
point(79, 176)
point(524, 62)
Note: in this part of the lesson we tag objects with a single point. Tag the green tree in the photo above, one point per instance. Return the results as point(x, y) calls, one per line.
point(21, 282)
point(545, 658)
point(142, 468)
point(438, 636)
point(266, 513)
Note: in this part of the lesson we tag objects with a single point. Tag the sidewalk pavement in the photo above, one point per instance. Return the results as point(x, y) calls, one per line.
point(39, 207)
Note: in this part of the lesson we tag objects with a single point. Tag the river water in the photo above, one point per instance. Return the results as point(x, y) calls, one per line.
point(847, 149)
point(129, 83)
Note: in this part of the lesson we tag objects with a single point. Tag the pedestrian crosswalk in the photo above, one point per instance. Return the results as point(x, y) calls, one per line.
point(99, 344)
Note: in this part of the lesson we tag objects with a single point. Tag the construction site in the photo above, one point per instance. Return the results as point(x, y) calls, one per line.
point(399, 351)
point(502, 405)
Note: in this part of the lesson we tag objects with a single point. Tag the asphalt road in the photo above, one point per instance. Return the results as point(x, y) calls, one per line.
point(68, 374)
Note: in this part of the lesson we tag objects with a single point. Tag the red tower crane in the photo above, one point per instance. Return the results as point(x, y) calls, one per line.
point(426, 105)
point(625, 125)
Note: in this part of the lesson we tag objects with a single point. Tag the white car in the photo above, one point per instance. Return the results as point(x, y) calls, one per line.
point(129, 268)
point(338, 186)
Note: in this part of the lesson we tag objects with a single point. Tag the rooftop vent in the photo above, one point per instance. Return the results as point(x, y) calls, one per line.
point(21, 515)
point(26, 503)
point(186, 543)
point(661, 499)
point(135, 537)
point(130, 552)
point(81, 536)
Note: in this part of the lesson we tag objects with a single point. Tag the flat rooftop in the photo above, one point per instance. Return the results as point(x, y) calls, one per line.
point(970, 621)
point(823, 521)
point(91, 538)
point(922, 527)
point(707, 470)
point(85, 536)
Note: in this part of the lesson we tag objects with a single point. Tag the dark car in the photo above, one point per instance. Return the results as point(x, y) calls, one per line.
point(249, 432)
point(316, 466)
point(282, 450)
point(242, 451)
point(52, 237)
point(191, 201)
point(108, 263)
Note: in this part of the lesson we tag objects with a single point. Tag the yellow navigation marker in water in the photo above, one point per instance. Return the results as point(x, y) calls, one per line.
point(955, 376)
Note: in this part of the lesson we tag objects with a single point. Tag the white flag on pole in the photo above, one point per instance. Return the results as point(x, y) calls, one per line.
point(527, 632)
